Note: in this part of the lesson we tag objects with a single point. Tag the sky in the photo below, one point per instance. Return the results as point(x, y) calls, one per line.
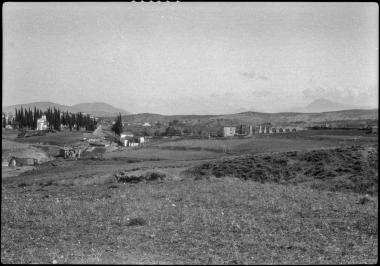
point(191, 58)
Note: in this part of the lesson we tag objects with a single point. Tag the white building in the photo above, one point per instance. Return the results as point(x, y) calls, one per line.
point(129, 143)
point(229, 131)
point(126, 135)
point(42, 123)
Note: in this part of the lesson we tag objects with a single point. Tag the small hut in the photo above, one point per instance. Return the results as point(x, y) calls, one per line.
point(14, 161)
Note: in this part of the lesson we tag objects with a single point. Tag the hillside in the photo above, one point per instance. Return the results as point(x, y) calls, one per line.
point(109, 112)
point(284, 118)
point(97, 109)
point(256, 117)
point(341, 169)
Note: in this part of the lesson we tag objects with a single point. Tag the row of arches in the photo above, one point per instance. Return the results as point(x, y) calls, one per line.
point(271, 130)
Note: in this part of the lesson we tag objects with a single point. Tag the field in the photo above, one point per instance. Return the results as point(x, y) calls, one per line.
point(311, 139)
point(285, 199)
point(58, 138)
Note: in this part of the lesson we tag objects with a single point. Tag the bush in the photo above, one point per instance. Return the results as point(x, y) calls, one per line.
point(137, 222)
point(154, 176)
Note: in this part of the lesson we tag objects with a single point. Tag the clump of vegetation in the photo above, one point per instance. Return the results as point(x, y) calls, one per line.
point(343, 169)
point(130, 177)
point(136, 222)
point(154, 176)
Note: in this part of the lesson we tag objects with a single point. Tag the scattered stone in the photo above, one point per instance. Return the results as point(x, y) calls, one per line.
point(365, 199)
point(127, 177)
point(136, 222)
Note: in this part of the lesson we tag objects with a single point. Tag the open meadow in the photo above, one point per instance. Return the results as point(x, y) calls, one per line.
point(280, 199)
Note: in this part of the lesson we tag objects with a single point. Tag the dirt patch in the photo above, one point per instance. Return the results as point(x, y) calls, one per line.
point(12, 148)
point(94, 152)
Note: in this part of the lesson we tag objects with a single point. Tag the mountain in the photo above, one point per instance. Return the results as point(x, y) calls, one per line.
point(254, 118)
point(109, 112)
point(97, 109)
point(300, 118)
point(324, 105)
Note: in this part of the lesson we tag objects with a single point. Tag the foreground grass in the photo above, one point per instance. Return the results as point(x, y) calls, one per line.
point(211, 221)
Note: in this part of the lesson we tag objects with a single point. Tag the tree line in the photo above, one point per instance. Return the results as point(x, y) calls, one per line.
point(174, 128)
point(27, 118)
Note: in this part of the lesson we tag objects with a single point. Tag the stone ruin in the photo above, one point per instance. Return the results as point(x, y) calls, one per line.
point(70, 153)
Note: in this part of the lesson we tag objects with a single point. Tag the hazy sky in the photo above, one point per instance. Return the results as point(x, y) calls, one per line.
point(191, 58)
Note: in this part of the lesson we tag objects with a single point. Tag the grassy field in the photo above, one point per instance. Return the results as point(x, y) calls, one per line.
point(22, 150)
point(206, 221)
point(76, 212)
point(305, 140)
point(161, 154)
point(58, 138)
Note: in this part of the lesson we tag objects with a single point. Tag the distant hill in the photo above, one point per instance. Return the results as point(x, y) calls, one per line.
point(97, 109)
point(296, 117)
point(324, 105)
point(257, 117)
point(109, 112)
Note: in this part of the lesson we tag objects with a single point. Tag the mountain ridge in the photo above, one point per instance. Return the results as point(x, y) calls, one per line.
point(256, 117)
point(324, 105)
point(105, 110)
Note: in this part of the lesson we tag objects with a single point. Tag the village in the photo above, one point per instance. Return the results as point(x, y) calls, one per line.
point(102, 136)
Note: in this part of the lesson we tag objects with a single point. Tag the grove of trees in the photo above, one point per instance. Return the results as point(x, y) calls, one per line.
point(27, 118)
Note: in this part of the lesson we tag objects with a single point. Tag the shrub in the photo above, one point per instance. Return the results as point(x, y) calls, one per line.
point(137, 222)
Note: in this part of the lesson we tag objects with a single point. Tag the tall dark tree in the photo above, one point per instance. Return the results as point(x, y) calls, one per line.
point(35, 117)
point(16, 116)
point(117, 127)
point(22, 117)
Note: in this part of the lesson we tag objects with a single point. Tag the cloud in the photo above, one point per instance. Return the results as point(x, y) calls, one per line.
point(263, 77)
point(261, 93)
point(253, 75)
point(329, 92)
point(249, 75)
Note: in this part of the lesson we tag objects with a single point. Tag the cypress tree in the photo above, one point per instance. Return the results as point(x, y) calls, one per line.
point(35, 118)
point(118, 126)
point(21, 118)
